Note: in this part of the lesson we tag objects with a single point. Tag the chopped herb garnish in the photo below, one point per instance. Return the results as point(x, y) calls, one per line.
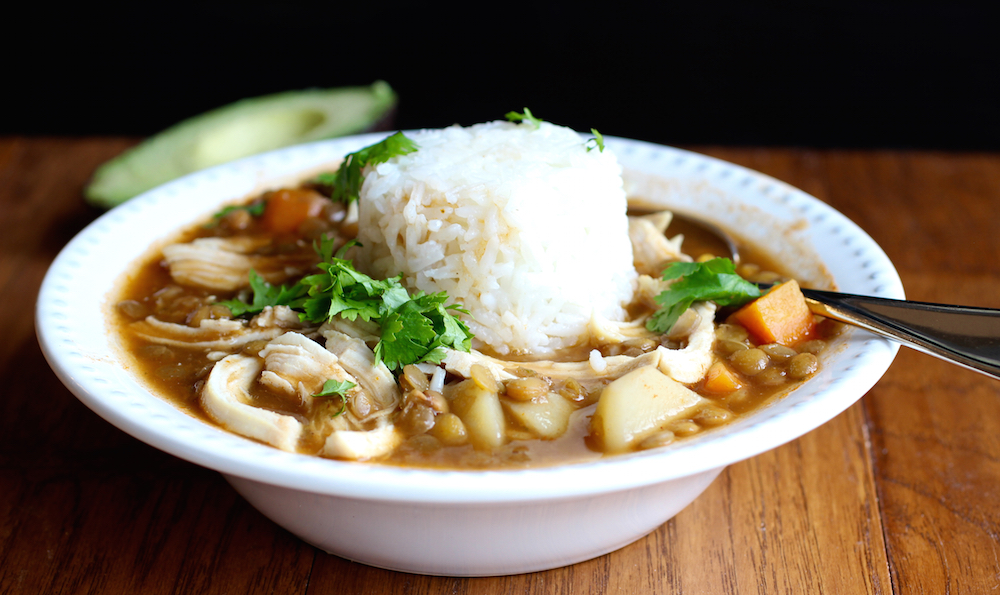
point(327, 178)
point(264, 294)
point(256, 209)
point(339, 289)
point(420, 330)
point(598, 141)
point(346, 182)
point(335, 388)
point(415, 328)
point(715, 280)
point(525, 117)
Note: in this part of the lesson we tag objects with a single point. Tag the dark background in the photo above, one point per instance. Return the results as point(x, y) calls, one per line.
point(826, 74)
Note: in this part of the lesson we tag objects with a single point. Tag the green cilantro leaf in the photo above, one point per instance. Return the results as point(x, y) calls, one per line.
point(420, 330)
point(525, 117)
point(598, 141)
point(346, 182)
point(406, 336)
point(715, 280)
point(256, 209)
point(340, 289)
point(335, 388)
point(327, 178)
point(264, 294)
point(414, 328)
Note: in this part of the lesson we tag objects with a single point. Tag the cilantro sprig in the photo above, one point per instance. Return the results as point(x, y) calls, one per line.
point(346, 181)
point(598, 141)
point(264, 294)
point(420, 330)
point(525, 118)
point(336, 388)
point(255, 209)
point(715, 280)
point(414, 328)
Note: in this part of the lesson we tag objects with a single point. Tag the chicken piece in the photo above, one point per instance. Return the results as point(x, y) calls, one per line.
point(368, 331)
point(298, 366)
point(359, 361)
point(360, 446)
point(224, 399)
point(651, 250)
point(224, 264)
point(277, 316)
point(460, 362)
point(647, 288)
point(686, 365)
point(689, 365)
point(661, 220)
point(222, 335)
point(604, 331)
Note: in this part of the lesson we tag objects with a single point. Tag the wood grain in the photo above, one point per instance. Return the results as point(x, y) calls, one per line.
point(897, 495)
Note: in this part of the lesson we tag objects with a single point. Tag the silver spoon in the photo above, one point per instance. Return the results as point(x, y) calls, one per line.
point(963, 335)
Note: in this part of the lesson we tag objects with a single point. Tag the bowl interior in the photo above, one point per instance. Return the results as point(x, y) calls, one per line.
point(817, 243)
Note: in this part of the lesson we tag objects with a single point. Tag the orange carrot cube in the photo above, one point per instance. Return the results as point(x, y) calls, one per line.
point(287, 208)
point(780, 316)
point(721, 380)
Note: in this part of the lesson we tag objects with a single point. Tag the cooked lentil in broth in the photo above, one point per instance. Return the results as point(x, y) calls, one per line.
point(430, 419)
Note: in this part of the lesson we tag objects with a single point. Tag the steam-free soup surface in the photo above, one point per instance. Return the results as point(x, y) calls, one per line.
point(474, 410)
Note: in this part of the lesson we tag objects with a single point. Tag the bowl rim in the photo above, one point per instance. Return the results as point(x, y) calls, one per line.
point(83, 357)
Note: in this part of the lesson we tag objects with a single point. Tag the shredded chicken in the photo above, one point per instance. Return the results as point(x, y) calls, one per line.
point(224, 398)
point(459, 362)
point(355, 357)
point(298, 366)
point(367, 331)
point(224, 264)
point(277, 316)
point(661, 220)
point(211, 335)
point(686, 365)
point(651, 250)
point(360, 446)
point(647, 288)
point(220, 336)
point(604, 331)
point(690, 364)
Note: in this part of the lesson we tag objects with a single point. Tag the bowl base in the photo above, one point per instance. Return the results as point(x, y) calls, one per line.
point(473, 538)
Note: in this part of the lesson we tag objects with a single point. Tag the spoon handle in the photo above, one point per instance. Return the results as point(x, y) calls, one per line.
point(964, 335)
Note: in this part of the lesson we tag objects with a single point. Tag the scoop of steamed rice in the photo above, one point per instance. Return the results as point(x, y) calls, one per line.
point(522, 225)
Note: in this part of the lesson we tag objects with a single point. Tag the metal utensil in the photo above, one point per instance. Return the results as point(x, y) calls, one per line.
point(963, 335)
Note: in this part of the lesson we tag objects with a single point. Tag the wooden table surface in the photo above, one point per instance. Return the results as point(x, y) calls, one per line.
point(899, 494)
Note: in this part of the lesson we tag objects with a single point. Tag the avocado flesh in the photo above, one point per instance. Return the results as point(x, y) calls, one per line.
point(240, 129)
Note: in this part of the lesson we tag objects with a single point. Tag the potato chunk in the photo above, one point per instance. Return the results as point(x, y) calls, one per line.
point(547, 418)
point(480, 411)
point(637, 405)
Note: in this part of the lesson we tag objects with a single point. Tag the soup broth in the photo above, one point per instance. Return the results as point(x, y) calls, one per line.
point(483, 410)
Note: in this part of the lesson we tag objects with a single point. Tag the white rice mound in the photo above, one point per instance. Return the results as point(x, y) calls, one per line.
point(522, 225)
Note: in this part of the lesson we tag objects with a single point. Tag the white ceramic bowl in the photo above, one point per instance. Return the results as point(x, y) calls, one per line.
point(466, 523)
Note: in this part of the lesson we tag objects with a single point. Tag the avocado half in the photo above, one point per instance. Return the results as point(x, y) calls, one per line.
point(240, 129)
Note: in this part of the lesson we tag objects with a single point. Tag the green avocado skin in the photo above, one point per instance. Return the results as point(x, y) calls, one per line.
point(240, 129)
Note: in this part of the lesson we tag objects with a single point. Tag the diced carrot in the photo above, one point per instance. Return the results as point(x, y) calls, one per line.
point(780, 316)
point(720, 379)
point(287, 208)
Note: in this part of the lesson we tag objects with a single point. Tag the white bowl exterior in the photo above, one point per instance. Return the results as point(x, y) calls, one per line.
point(80, 349)
point(474, 539)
